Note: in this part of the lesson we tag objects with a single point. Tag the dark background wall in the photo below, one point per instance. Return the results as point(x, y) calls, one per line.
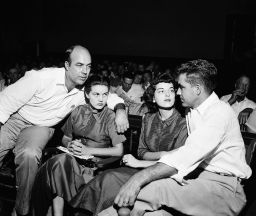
point(181, 29)
point(163, 28)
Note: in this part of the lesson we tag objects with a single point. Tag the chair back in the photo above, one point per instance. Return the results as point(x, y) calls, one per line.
point(250, 144)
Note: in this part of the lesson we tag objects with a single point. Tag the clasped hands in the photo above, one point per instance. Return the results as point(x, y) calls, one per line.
point(78, 148)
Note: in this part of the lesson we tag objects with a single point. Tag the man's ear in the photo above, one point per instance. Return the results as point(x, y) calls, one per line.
point(198, 89)
point(66, 64)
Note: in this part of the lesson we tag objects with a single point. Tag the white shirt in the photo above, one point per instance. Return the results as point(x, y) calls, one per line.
point(239, 106)
point(133, 95)
point(41, 97)
point(251, 122)
point(214, 143)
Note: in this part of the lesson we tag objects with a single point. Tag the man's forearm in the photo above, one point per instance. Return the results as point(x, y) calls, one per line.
point(152, 173)
point(119, 106)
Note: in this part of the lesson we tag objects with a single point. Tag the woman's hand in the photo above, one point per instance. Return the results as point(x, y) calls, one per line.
point(78, 148)
point(75, 146)
point(130, 160)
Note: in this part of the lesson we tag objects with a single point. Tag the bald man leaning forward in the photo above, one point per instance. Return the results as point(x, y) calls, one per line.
point(31, 107)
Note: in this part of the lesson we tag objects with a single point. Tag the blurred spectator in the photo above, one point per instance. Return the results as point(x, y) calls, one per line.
point(2, 82)
point(238, 100)
point(12, 75)
point(147, 78)
point(141, 67)
point(137, 78)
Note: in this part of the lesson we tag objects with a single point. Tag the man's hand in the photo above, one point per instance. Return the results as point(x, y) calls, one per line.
point(244, 115)
point(130, 190)
point(235, 95)
point(121, 120)
point(128, 193)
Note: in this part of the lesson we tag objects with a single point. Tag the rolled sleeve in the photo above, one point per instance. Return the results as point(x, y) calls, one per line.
point(113, 100)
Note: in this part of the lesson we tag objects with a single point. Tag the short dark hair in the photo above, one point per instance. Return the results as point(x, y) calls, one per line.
point(95, 80)
point(199, 72)
point(148, 95)
point(128, 75)
point(163, 78)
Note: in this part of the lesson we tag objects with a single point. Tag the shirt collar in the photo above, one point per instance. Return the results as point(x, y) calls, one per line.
point(243, 101)
point(170, 119)
point(61, 82)
point(213, 98)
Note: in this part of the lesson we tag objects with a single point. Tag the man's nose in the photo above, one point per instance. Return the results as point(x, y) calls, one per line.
point(85, 70)
point(178, 91)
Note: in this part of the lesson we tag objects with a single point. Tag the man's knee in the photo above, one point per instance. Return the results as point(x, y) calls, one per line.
point(33, 139)
point(36, 134)
point(27, 155)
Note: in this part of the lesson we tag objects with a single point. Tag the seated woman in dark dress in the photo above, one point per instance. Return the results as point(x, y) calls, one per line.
point(90, 130)
point(161, 132)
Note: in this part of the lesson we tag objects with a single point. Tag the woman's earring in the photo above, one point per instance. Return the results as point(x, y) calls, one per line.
point(154, 100)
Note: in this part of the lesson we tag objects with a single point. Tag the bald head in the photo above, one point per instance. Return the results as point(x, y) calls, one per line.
point(74, 50)
point(77, 65)
point(243, 82)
